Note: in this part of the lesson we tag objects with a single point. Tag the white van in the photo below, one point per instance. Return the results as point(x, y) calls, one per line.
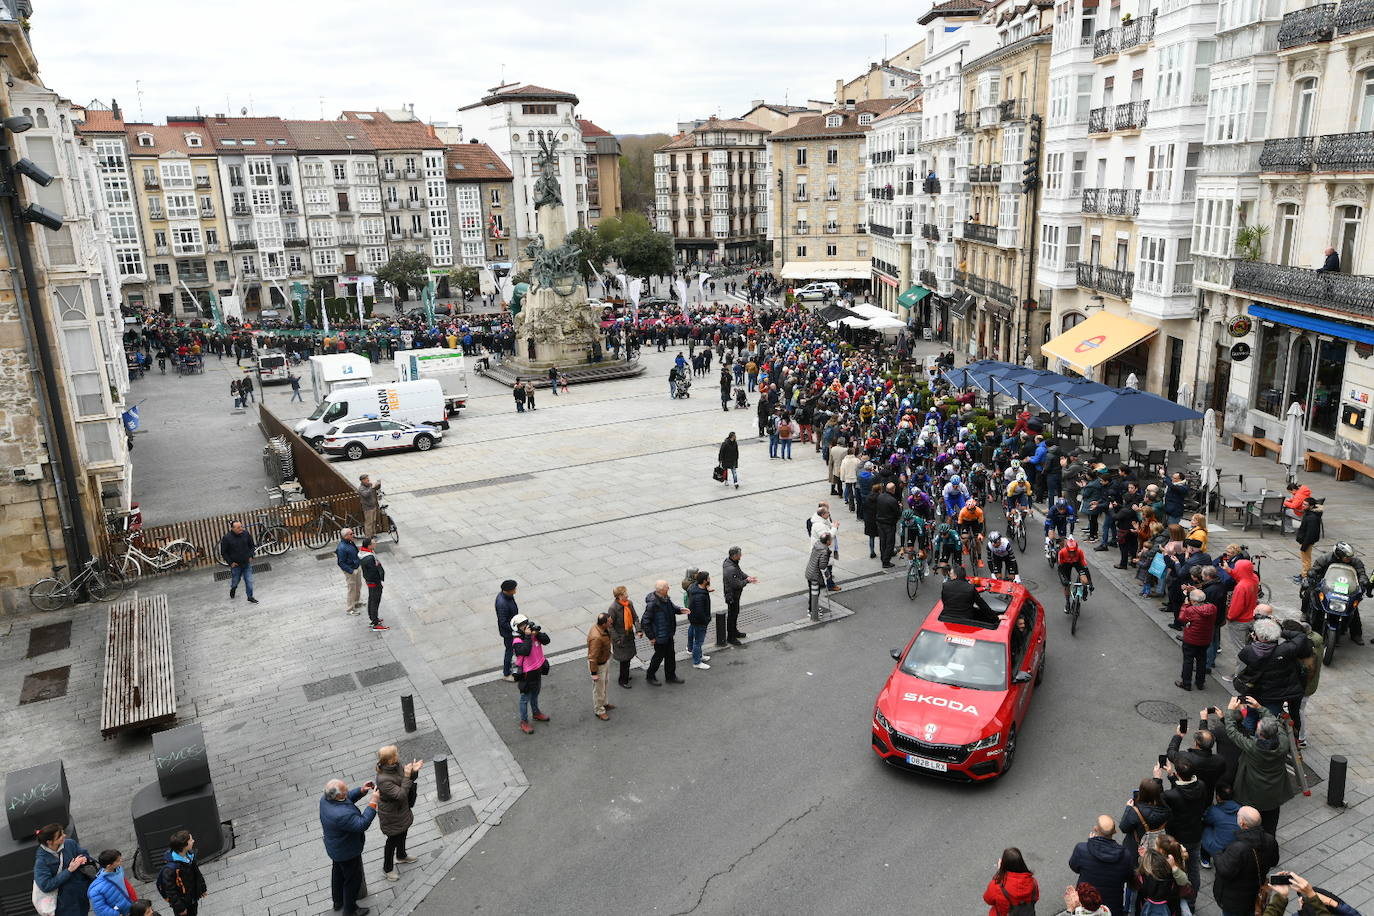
point(272, 367)
point(412, 402)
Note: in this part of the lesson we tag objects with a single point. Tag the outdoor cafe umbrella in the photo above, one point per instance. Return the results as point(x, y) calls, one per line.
point(1127, 407)
point(1207, 458)
point(1294, 447)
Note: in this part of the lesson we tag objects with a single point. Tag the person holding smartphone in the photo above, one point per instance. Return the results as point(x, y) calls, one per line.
point(345, 834)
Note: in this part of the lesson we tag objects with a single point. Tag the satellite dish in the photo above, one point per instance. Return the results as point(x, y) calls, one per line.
point(244, 111)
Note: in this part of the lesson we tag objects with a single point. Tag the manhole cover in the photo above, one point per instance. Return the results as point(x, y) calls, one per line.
point(45, 685)
point(51, 638)
point(224, 574)
point(1161, 711)
point(459, 818)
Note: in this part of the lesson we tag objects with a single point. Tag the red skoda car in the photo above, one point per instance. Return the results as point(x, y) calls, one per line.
point(957, 698)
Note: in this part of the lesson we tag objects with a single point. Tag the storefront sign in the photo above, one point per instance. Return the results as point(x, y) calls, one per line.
point(1240, 352)
point(1240, 326)
point(1358, 396)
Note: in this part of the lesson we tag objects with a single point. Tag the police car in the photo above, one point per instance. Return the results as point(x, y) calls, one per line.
point(358, 438)
point(957, 699)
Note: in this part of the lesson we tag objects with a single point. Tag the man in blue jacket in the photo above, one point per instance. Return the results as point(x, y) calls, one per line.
point(1104, 863)
point(506, 610)
point(659, 623)
point(346, 554)
point(345, 830)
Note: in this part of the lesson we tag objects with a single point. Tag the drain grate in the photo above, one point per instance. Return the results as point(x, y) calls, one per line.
point(45, 685)
point(1161, 711)
point(460, 818)
point(329, 687)
point(470, 485)
point(223, 574)
point(51, 638)
point(371, 677)
point(426, 747)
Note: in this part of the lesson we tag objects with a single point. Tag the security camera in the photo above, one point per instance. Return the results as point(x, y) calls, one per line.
point(44, 217)
point(17, 124)
point(33, 172)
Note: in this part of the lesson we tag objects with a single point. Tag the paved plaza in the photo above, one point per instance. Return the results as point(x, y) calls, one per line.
point(607, 485)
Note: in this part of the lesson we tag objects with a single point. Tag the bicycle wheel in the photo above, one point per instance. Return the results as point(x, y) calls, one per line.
point(316, 536)
point(1021, 538)
point(1263, 594)
point(102, 587)
point(128, 567)
point(1074, 606)
point(179, 553)
point(393, 531)
point(48, 594)
point(275, 541)
point(913, 580)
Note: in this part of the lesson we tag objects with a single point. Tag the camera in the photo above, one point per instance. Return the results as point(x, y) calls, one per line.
point(533, 627)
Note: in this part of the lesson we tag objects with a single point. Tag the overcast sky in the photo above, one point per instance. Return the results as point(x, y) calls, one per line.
point(638, 67)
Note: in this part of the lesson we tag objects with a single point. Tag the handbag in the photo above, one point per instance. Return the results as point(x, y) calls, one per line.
point(1157, 566)
point(1261, 898)
point(719, 473)
point(45, 902)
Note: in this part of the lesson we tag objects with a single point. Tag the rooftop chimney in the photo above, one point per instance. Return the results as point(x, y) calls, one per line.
point(114, 109)
point(756, 103)
point(849, 104)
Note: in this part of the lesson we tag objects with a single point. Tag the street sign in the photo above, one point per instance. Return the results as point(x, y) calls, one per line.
point(1240, 352)
point(1240, 326)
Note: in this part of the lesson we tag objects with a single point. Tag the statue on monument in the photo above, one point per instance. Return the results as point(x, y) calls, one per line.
point(546, 193)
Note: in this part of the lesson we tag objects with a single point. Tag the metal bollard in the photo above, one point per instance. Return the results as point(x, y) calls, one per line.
point(408, 712)
point(441, 778)
point(1335, 782)
point(813, 600)
point(720, 629)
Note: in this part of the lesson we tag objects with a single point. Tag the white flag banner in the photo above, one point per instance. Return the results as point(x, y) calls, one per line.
point(507, 289)
point(701, 284)
point(636, 286)
point(681, 286)
point(486, 281)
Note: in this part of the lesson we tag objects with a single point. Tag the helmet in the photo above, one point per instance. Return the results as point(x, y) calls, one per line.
point(1020, 474)
point(961, 447)
point(955, 482)
point(995, 536)
point(1070, 544)
point(1016, 462)
point(1060, 502)
point(1342, 551)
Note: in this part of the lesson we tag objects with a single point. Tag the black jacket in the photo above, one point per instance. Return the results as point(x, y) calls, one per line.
point(961, 599)
point(698, 605)
point(1310, 528)
point(1274, 677)
point(728, 456)
point(1105, 865)
point(180, 883)
point(733, 578)
point(374, 574)
point(659, 620)
point(1138, 820)
point(1187, 803)
point(1208, 766)
point(237, 548)
point(887, 509)
point(1239, 866)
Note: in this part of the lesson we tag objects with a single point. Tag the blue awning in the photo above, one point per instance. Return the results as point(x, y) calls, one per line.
point(1356, 332)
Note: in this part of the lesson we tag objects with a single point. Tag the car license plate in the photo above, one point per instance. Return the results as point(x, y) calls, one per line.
point(938, 766)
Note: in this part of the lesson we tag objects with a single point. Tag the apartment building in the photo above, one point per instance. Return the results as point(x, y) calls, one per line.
point(184, 227)
point(776, 117)
point(62, 446)
point(1000, 127)
point(603, 172)
point(888, 78)
point(103, 134)
point(711, 191)
point(414, 194)
point(1296, 324)
point(518, 116)
point(955, 32)
point(479, 188)
point(892, 162)
point(818, 218)
point(341, 202)
point(1116, 241)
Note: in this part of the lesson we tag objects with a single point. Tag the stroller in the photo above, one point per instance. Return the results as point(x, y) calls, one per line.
point(684, 385)
point(741, 399)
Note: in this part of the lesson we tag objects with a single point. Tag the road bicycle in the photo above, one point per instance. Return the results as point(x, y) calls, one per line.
point(271, 539)
point(1078, 593)
point(915, 573)
point(172, 555)
point(1016, 527)
point(96, 578)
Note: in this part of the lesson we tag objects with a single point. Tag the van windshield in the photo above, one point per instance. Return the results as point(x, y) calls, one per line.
point(319, 410)
point(271, 362)
point(336, 410)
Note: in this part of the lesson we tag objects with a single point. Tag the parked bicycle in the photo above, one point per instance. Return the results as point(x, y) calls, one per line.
point(325, 529)
point(96, 579)
point(270, 538)
point(172, 555)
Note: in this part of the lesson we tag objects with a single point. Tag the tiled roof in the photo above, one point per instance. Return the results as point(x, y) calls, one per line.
point(591, 130)
point(686, 141)
point(527, 91)
point(906, 107)
point(474, 162)
point(328, 137)
point(954, 8)
point(167, 138)
point(387, 134)
point(101, 121)
point(228, 134)
point(849, 121)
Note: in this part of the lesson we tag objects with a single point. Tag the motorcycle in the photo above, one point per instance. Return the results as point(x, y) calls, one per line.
point(1331, 604)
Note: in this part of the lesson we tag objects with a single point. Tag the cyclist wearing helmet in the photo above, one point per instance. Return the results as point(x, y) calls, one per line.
point(913, 530)
point(1344, 553)
point(971, 529)
point(1071, 558)
point(1002, 557)
point(1013, 471)
point(946, 543)
point(1018, 493)
point(1061, 517)
point(955, 495)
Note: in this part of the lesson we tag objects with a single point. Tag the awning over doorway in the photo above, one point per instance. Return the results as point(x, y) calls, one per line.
point(1097, 340)
point(830, 270)
point(1358, 333)
point(912, 296)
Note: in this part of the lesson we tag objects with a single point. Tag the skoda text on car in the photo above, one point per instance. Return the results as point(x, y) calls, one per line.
point(358, 438)
point(957, 698)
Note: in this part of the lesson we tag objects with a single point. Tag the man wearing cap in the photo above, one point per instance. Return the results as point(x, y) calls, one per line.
point(506, 609)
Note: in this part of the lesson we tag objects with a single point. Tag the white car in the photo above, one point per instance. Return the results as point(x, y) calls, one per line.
point(358, 438)
point(819, 291)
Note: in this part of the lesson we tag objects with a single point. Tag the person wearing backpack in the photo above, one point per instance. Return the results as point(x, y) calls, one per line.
point(1142, 825)
point(1160, 881)
point(1013, 890)
point(180, 882)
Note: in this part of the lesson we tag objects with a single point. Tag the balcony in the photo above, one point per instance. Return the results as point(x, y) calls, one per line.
point(985, 174)
point(207, 212)
point(1287, 154)
point(1354, 16)
point(151, 182)
point(1132, 115)
point(801, 197)
point(1345, 153)
point(161, 250)
point(212, 247)
point(927, 278)
point(340, 182)
point(243, 245)
point(396, 236)
point(930, 231)
point(977, 232)
point(393, 205)
point(1137, 32)
point(417, 233)
point(156, 213)
point(961, 120)
point(414, 204)
point(1112, 201)
point(290, 208)
point(1106, 42)
point(1012, 109)
point(1107, 280)
point(1325, 289)
point(930, 186)
point(411, 175)
point(242, 210)
point(389, 176)
point(348, 241)
point(1304, 27)
point(1002, 293)
point(976, 284)
point(831, 229)
point(202, 181)
point(878, 229)
point(296, 243)
point(801, 229)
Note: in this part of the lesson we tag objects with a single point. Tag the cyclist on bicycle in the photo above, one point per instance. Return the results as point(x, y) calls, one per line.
point(1002, 557)
point(1013, 471)
point(1071, 558)
point(1018, 494)
point(1061, 517)
point(913, 531)
point(946, 544)
point(978, 477)
point(955, 496)
point(971, 529)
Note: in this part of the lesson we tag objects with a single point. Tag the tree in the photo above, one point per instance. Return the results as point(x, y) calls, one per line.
point(405, 270)
point(593, 249)
point(633, 242)
point(637, 170)
point(465, 280)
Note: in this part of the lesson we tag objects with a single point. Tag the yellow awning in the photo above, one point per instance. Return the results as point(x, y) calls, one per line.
point(1097, 340)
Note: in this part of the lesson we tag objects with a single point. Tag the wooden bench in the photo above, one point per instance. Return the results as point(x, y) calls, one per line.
point(140, 687)
point(1356, 467)
point(1315, 461)
point(1257, 445)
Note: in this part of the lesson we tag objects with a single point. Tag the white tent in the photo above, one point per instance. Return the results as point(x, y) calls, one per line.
point(876, 317)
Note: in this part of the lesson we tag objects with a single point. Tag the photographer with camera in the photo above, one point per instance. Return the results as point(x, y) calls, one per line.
point(528, 667)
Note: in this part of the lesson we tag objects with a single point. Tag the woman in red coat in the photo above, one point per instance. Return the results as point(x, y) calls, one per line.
point(1012, 884)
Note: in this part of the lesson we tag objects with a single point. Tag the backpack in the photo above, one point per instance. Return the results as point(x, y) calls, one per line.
point(1017, 909)
point(167, 880)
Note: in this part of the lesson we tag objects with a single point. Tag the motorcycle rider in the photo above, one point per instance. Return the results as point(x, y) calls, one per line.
point(1341, 553)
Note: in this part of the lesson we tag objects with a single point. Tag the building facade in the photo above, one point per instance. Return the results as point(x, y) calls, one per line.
point(479, 188)
point(818, 219)
point(776, 117)
point(889, 78)
point(410, 162)
point(603, 172)
point(892, 163)
point(103, 133)
point(711, 191)
point(1003, 105)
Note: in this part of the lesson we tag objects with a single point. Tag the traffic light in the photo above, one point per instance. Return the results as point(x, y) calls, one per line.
point(1030, 173)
